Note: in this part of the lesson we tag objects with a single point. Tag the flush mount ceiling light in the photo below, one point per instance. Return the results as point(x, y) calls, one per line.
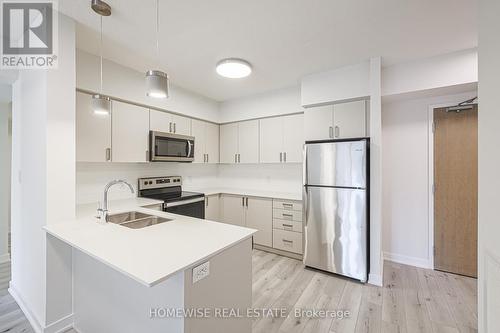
point(156, 80)
point(101, 105)
point(233, 68)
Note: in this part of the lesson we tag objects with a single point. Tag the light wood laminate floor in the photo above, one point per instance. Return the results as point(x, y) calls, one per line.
point(411, 300)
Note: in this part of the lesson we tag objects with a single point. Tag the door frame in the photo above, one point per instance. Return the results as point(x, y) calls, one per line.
point(430, 172)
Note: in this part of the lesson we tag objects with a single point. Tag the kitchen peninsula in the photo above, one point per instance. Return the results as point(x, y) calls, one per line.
point(126, 279)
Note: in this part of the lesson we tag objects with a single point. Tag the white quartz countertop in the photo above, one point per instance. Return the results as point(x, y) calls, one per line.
point(151, 254)
point(251, 193)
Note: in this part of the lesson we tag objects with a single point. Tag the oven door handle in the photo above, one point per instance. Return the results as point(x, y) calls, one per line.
point(183, 202)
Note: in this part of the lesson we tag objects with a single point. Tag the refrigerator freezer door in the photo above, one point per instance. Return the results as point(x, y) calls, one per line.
point(336, 231)
point(341, 164)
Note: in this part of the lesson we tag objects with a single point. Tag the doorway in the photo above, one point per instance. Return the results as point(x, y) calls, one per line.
point(455, 190)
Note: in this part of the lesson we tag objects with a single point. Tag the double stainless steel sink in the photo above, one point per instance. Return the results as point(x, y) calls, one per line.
point(136, 220)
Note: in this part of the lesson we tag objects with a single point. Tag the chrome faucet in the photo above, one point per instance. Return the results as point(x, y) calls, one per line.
point(102, 211)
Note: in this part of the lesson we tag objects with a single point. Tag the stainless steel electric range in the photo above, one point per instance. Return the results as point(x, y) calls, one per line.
point(176, 201)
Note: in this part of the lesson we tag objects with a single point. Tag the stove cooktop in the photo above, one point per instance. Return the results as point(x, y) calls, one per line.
point(173, 197)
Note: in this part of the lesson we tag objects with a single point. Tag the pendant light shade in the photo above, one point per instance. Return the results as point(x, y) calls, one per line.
point(157, 81)
point(101, 105)
point(157, 84)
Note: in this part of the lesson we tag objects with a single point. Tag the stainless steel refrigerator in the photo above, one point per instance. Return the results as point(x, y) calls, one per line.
point(336, 204)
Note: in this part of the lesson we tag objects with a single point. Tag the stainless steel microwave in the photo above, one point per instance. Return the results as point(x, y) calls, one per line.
point(168, 147)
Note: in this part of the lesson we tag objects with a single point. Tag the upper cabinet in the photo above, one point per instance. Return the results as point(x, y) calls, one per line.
point(130, 132)
point(282, 139)
point(339, 121)
point(93, 132)
point(170, 123)
point(206, 144)
point(239, 142)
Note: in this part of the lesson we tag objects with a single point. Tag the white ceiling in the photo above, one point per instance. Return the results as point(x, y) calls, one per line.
point(283, 39)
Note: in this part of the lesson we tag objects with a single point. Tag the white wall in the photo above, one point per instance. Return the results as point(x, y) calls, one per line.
point(489, 164)
point(405, 131)
point(446, 70)
point(126, 83)
point(273, 103)
point(5, 157)
point(43, 185)
point(92, 177)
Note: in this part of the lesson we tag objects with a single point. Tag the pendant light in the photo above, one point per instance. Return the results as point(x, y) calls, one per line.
point(157, 85)
point(101, 105)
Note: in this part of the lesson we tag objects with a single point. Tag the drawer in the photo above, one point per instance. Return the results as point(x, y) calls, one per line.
point(289, 215)
point(287, 225)
point(287, 204)
point(287, 241)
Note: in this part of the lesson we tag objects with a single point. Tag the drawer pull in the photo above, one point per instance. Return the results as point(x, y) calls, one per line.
point(287, 205)
point(287, 225)
point(287, 215)
point(287, 241)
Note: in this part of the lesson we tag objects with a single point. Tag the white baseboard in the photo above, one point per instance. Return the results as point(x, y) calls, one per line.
point(4, 258)
point(62, 325)
point(37, 327)
point(375, 279)
point(407, 260)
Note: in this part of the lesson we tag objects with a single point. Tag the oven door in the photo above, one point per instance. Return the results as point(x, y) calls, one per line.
point(168, 147)
point(192, 207)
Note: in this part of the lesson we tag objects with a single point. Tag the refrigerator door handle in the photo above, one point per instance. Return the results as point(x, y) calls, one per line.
point(304, 166)
point(305, 209)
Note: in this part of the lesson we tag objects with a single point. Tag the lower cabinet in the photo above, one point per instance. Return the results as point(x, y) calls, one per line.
point(287, 226)
point(232, 209)
point(212, 207)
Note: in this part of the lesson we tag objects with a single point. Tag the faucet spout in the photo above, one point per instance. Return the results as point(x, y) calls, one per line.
point(102, 211)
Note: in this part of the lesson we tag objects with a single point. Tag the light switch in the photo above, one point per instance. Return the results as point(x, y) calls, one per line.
point(201, 271)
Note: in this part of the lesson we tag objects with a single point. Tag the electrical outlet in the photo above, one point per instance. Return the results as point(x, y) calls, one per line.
point(200, 272)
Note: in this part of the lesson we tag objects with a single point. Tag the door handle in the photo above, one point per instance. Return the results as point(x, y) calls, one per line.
point(108, 154)
point(189, 148)
point(175, 128)
point(243, 201)
point(239, 158)
point(147, 155)
point(330, 132)
point(206, 202)
point(281, 157)
point(247, 201)
point(305, 208)
point(337, 131)
point(170, 127)
point(284, 157)
point(207, 158)
point(235, 159)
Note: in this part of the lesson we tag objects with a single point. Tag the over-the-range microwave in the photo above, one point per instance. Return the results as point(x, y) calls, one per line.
point(168, 147)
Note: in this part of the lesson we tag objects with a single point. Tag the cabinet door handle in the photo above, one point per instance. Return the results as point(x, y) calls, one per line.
point(247, 201)
point(287, 215)
point(207, 158)
point(284, 157)
point(287, 241)
point(337, 131)
point(235, 158)
point(287, 225)
point(281, 157)
point(108, 154)
point(330, 132)
point(147, 155)
point(287, 205)
point(175, 128)
point(239, 158)
point(243, 201)
point(206, 202)
point(170, 127)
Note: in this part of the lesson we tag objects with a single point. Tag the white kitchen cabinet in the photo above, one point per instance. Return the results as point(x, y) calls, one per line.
point(239, 142)
point(169, 123)
point(212, 207)
point(248, 141)
point(130, 131)
point(206, 145)
point(212, 142)
point(259, 215)
point(318, 123)
point(282, 139)
point(93, 132)
point(271, 140)
point(228, 143)
point(349, 120)
point(232, 209)
point(339, 121)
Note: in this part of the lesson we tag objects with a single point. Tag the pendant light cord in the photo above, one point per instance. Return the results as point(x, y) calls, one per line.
point(101, 58)
point(158, 30)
